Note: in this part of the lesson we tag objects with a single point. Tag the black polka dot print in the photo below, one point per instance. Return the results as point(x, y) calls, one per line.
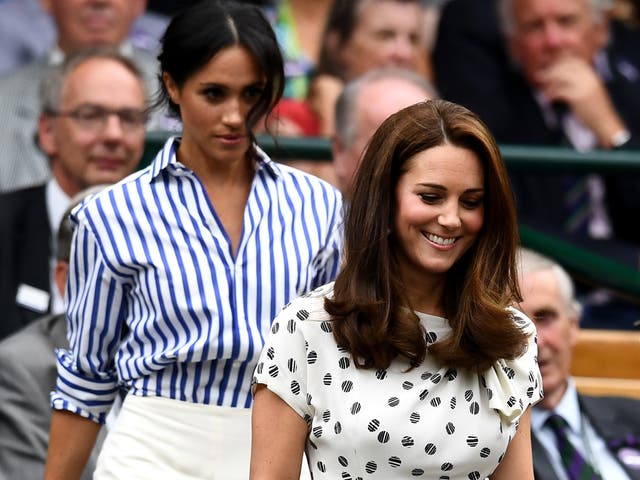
point(429, 422)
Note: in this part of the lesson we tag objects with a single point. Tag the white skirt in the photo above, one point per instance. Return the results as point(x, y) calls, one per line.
point(158, 438)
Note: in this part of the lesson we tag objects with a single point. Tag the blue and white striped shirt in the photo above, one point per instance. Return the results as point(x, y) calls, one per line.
point(158, 303)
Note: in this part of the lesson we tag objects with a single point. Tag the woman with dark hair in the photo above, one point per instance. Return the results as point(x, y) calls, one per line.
point(413, 363)
point(177, 271)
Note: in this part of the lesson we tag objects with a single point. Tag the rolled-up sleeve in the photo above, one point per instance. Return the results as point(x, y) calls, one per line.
point(87, 381)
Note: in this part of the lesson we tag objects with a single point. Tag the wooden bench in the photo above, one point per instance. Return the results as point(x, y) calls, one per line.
point(607, 362)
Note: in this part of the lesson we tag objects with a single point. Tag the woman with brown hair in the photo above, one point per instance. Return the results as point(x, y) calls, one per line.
point(413, 363)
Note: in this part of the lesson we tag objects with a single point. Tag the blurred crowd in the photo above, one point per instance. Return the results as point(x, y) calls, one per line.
point(537, 72)
point(536, 75)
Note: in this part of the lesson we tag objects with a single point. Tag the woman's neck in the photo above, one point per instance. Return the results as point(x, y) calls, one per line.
point(213, 172)
point(425, 294)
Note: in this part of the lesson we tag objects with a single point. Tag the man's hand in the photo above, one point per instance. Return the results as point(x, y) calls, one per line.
point(576, 83)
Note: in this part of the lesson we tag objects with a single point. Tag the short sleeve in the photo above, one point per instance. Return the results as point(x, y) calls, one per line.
point(513, 385)
point(282, 363)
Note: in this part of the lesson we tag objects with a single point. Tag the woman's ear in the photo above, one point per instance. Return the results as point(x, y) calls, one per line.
point(172, 88)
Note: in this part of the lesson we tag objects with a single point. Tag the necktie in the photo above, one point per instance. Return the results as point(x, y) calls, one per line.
point(575, 464)
point(577, 199)
point(577, 203)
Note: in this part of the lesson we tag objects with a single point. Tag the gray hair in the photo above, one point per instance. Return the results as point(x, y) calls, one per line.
point(65, 230)
point(507, 20)
point(52, 84)
point(345, 119)
point(530, 261)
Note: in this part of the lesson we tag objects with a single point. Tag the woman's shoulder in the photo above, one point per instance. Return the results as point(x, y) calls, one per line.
point(516, 383)
point(304, 321)
point(133, 190)
point(107, 200)
point(309, 307)
point(303, 179)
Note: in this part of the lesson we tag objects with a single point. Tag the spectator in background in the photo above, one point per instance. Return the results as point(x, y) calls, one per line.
point(565, 63)
point(604, 430)
point(91, 127)
point(26, 33)
point(28, 374)
point(556, 77)
point(576, 91)
point(486, 61)
point(298, 25)
point(361, 35)
point(80, 24)
point(364, 103)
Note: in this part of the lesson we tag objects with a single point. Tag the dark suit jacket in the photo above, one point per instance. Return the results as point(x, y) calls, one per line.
point(539, 195)
point(487, 82)
point(27, 376)
point(470, 61)
point(25, 252)
point(615, 419)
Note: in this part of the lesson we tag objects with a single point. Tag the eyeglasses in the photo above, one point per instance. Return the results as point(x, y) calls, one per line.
point(94, 117)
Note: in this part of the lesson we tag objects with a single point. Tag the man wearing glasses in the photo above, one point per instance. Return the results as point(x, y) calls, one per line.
point(92, 128)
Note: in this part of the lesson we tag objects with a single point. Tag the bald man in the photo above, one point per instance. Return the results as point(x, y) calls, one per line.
point(363, 105)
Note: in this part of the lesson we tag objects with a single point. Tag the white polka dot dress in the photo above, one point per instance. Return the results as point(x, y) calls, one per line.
point(431, 422)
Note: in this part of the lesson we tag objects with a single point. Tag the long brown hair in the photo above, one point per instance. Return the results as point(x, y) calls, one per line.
point(372, 317)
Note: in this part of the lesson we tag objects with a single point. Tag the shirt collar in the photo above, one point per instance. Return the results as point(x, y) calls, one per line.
point(57, 202)
point(56, 56)
point(166, 159)
point(568, 408)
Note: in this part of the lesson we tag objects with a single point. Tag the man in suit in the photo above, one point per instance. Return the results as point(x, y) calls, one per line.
point(555, 78)
point(364, 103)
point(80, 24)
point(28, 374)
point(604, 430)
point(92, 130)
point(578, 92)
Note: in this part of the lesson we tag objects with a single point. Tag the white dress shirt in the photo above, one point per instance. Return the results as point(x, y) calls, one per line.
point(57, 202)
point(580, 433)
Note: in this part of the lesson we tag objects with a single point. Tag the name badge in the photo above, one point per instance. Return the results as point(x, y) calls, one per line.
point(32, 298)
point(630, 457)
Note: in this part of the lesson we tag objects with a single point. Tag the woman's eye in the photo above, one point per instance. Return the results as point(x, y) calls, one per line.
point(472, 203)
point(213, 93)
point(252, 93)
point(429, 197)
